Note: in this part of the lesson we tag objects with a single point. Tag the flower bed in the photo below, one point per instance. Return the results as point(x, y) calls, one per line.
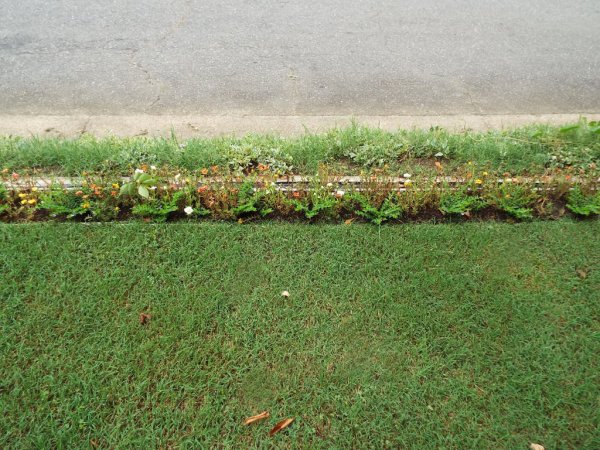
point(152, 194)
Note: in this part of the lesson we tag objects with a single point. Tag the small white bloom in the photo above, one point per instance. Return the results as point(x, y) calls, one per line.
point(407, 175)
point(177, 176)
point(139, 171)
point(152, 188)
point(339, 193)
point(188, 210)
point(153, 167)
point(438, 155)
point(285, 294)
point(329, 184)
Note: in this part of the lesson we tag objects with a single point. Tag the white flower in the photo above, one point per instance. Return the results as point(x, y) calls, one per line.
point(152, 188)
point(139, 171)
point(285, 294)
point(177, 176)
point(407, 175)
point(438, 155)
point(188, 210)
point(339, 193)
point(329, 184)
point(153, 167)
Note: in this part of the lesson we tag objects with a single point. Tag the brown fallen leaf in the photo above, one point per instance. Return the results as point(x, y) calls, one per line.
point(438, 165)
point(533, 446)
point(581, 273)
point(144, 318)
point(256, 418)
point(281, 425)
point(349, 221)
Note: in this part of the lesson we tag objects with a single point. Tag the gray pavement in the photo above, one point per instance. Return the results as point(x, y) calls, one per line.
point(295, 58)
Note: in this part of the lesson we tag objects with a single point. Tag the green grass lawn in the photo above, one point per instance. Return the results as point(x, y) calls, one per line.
point(479, 335)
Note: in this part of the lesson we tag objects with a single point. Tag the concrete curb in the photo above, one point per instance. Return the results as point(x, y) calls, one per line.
point(186, 126)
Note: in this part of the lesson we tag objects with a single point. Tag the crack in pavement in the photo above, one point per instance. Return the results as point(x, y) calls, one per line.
point(148, 77)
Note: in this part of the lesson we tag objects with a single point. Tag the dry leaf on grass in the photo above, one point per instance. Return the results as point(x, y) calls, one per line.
point(581, 273)
point(280, 426)
point(144, 318)
point(438, 165)
point(256, 418)
point(533, 446)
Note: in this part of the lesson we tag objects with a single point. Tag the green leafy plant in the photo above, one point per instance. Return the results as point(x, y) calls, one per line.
point(373, 154)
point(136, 153)
point(250, 200)
point(139, 184)
point(246, 156)
point(318, 202)
point(4, 206)
point(388, 209)
point(158, 209)
point(581, 204)
point(516, 200)
point(60, 202)
point(460, 202)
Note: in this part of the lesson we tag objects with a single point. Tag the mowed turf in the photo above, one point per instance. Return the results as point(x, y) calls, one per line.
point(482, 335)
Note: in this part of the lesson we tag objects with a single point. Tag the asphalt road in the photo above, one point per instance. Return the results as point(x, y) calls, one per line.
point(304, 57)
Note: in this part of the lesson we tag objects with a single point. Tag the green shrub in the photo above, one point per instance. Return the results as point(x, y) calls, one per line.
point(583, 205)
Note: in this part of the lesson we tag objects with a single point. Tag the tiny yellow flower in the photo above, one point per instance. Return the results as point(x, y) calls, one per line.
point(408, 183)
point(478, 181)
point(507, 196)
point(34, 189)
point(85, 205)
point(23, 202)
point(117, 208)
point(485, 174)
point(32, 201)
point(115, 185)
point(22, 195)
point(470, 163)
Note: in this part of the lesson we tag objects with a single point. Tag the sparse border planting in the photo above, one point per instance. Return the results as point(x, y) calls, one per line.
point(543, 172)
